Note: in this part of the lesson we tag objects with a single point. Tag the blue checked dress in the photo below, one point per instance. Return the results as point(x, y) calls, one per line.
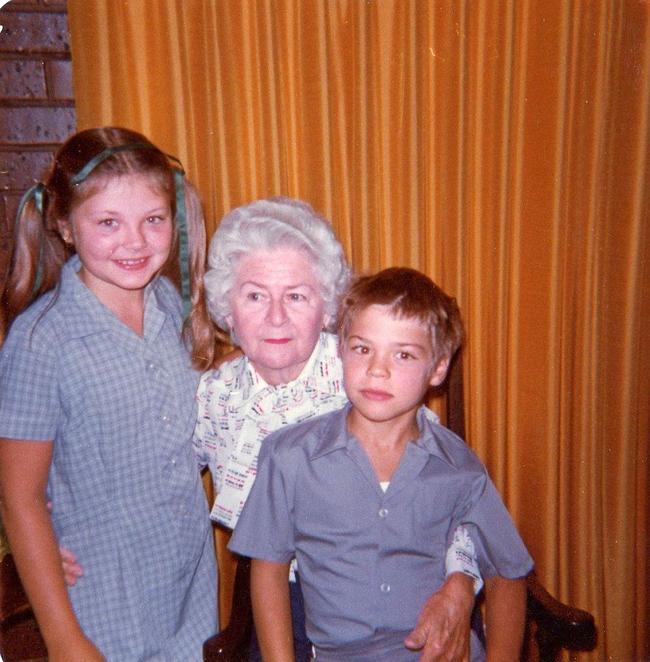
point(124, 482)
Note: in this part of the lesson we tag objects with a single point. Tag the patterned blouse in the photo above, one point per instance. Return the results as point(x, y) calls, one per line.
point(238, 409)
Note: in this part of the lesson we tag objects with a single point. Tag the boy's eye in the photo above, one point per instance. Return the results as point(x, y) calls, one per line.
point(405, 356)
point(359, 349)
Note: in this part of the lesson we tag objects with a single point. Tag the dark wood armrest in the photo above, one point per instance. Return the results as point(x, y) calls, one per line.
point(231, 644)
point(559, 626)
point(20, 638)
point(13, 600)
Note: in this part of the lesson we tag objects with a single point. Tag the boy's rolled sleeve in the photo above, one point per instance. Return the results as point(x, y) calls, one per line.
point(265, 528)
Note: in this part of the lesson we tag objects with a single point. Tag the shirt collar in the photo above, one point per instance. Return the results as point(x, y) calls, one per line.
point(90, 315)
point(335, 435)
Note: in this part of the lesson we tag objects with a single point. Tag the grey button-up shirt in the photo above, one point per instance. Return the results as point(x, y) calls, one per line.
point(369, 559)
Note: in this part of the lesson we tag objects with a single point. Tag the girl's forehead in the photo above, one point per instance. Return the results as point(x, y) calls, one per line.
point(136, 180)
point(124, 195)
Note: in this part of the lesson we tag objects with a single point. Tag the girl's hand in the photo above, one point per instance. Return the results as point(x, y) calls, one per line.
point(71, 568)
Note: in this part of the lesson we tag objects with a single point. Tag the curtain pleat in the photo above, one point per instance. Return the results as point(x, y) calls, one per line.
point(500, 146)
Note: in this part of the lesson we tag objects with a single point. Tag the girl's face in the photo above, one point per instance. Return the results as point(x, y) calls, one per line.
point(277, 311)
point(122, 234)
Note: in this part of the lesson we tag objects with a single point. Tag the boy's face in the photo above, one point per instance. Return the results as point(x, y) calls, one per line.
point(388, 364)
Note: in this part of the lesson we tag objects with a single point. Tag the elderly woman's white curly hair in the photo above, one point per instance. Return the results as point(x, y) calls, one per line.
point(277, 222)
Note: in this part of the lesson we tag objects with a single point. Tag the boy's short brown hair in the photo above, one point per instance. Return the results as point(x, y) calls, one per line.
point(408, 294)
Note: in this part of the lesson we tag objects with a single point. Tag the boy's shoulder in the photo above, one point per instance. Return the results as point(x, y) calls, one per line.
point(441, 441)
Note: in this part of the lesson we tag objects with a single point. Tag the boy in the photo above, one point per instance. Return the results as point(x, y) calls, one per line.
point(367, 497)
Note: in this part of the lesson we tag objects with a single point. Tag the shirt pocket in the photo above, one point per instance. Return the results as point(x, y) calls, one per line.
point(435, 505)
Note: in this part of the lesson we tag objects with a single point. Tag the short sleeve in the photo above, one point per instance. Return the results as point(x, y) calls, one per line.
point(29, 403)
point(264, 530)
point(499, 547)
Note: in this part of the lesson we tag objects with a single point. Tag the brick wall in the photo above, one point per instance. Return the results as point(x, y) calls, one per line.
point(36, 99)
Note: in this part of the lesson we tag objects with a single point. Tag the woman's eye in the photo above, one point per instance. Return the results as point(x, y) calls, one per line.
point(296, 296)
point(155, 220)
point(107, 222)
point(359, 349)
point(254, 296)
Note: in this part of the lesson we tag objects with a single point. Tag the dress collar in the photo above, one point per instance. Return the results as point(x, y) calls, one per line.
point(90, 315)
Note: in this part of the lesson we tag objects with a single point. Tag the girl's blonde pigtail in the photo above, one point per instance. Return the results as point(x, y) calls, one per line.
point(200, 331)
point(36, 256)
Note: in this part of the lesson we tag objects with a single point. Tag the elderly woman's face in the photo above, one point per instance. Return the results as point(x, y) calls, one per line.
point(277, 311)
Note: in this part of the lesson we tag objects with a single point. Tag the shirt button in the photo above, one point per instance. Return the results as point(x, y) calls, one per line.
point(151, 366)
point(385, 588)
point(383, 512)
point(166, 419)
point(173, 460)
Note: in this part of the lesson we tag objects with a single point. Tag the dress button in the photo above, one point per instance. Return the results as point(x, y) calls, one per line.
point(383, 512)
point(385, 588)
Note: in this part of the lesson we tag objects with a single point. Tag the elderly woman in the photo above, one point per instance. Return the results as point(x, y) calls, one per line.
point(276, 275)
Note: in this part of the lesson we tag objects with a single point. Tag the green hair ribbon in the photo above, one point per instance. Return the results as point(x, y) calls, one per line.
point(35, 192)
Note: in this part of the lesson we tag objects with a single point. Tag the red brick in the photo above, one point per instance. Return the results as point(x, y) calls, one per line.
point(22, 79)
point(36, 125)
point(59, 79)
point(20, 169)
point(29, 32)
point(8, 218)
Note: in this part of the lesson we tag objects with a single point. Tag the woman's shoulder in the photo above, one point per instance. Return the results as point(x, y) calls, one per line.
point(229, 374)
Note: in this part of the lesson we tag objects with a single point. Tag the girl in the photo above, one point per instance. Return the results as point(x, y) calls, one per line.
point(97, 405)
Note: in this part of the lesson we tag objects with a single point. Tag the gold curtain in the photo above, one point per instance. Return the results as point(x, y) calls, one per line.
point(502, 146)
